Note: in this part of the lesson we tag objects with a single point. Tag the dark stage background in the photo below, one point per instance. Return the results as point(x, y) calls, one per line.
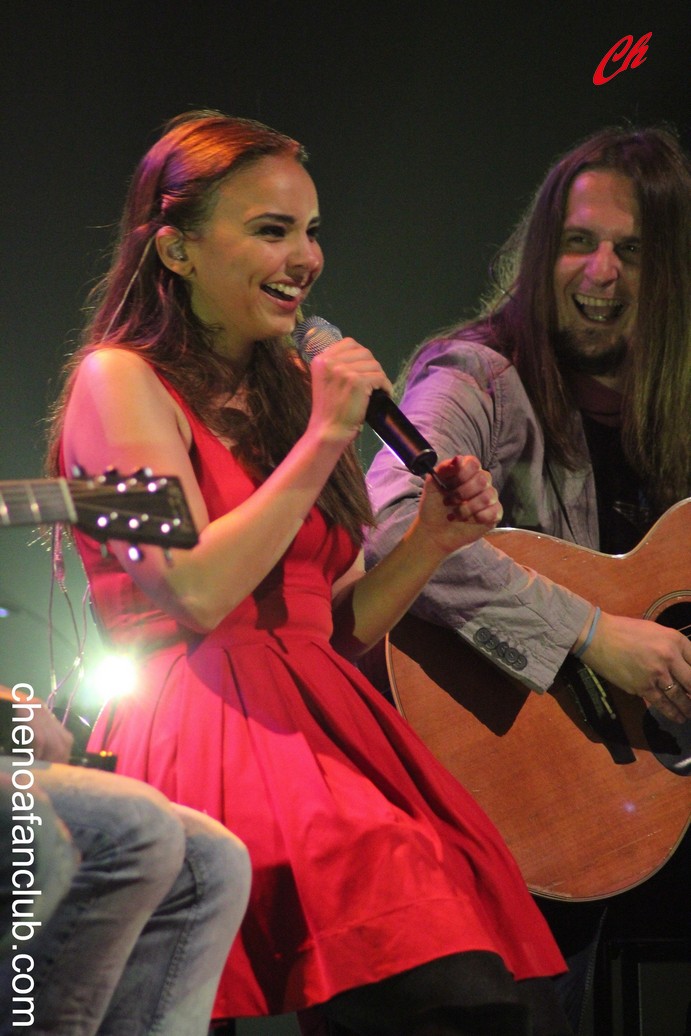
point(428, 128)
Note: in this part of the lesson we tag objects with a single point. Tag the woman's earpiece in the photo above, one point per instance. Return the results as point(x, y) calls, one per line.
point(170, 245)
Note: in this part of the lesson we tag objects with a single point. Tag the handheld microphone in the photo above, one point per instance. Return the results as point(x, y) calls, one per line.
point(313, 336)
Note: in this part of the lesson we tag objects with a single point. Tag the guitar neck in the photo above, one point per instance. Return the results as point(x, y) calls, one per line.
point(138, 508)
point(35, 502)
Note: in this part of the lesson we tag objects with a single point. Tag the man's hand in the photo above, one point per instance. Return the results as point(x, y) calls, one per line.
point(51, 742)
point(645, 659)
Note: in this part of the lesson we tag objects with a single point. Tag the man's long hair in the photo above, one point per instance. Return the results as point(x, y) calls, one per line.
point(142, 306)
point(520, 315)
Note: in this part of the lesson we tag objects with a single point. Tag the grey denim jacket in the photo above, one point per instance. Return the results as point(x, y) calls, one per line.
point(467, 398)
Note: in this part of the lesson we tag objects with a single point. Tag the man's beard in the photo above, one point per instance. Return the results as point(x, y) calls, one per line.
point(572, 349)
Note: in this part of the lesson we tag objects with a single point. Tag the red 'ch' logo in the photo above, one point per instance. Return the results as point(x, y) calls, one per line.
point(632, 54)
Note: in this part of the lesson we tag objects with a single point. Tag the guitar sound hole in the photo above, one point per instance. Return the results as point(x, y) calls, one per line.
point(671, 742)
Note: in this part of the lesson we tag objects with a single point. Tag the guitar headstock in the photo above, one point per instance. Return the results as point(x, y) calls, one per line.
point(138, 508)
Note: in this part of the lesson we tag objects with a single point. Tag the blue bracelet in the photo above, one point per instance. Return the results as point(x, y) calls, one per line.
point(591, 633)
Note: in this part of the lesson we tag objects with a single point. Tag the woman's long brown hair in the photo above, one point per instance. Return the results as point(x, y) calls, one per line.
point(142, 306)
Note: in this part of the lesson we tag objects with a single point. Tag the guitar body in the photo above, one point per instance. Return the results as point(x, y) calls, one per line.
point(586, 814)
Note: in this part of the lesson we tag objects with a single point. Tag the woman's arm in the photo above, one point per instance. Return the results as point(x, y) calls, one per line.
point(120, 414)
point(366, 608)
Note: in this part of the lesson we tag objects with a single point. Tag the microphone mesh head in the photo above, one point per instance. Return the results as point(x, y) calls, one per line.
point(314, 335)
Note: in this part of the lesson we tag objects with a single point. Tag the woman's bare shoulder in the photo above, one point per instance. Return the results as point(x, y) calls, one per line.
point(117, 398)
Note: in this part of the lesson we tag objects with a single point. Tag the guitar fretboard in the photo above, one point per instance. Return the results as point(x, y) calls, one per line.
point(34, 502)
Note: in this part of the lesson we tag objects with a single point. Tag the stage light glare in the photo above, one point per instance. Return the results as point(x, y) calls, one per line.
point(113, 677)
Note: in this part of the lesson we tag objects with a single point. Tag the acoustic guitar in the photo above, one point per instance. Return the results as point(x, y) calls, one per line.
point(590, 789)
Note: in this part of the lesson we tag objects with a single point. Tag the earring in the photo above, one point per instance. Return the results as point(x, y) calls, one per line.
point(180, 254)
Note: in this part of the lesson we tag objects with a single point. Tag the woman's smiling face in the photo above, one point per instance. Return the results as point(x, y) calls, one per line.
point(255, 259)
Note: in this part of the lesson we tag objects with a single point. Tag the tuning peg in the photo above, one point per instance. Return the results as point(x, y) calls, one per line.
point(143, 473)
point(78, 471)
point(111, 475)
point(134, 553)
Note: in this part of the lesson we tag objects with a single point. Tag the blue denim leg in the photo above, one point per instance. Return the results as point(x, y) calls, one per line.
point(54, 865)
point(170, 981)
point(132, 848)
point(140, 876)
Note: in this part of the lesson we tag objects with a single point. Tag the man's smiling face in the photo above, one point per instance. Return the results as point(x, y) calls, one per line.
point(597, 272)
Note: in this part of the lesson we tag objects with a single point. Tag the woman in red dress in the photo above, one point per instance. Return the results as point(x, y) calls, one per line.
point(381, 892)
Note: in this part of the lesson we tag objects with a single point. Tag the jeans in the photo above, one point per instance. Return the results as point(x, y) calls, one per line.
point(137, 944)
point(55, 862)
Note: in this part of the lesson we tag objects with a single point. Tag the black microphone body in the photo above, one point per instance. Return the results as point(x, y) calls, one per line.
point(394, 429)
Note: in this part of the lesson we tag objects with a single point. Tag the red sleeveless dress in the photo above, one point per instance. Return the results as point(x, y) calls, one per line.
point(368, 857)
